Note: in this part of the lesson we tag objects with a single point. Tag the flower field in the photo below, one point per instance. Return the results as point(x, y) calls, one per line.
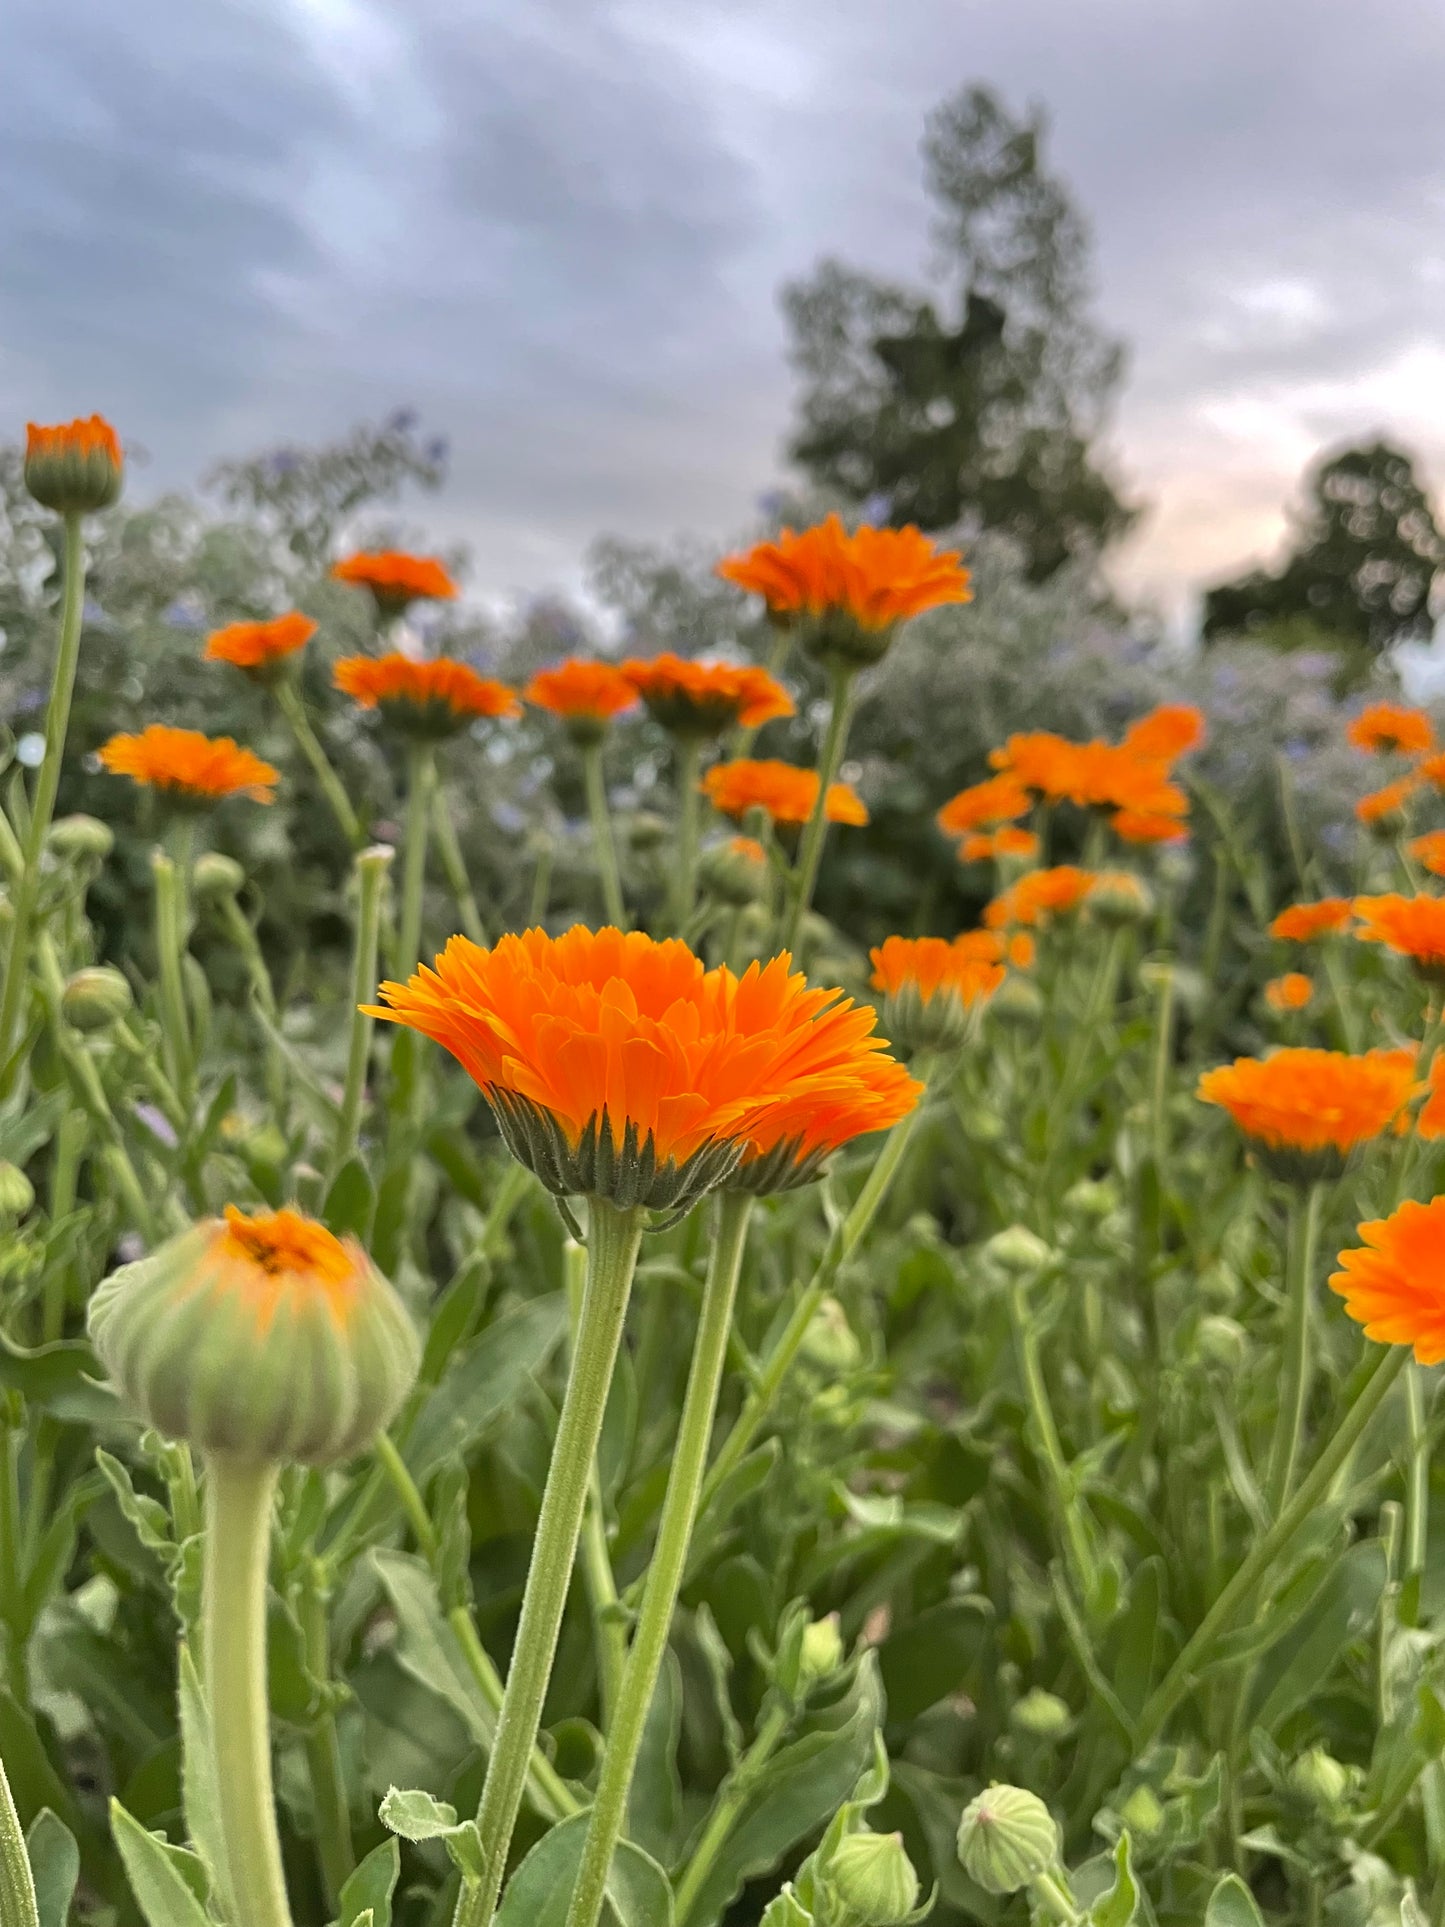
point(578, 1391)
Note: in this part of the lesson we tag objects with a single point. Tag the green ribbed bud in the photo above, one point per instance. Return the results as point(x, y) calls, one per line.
point(1320, 1778)
point(646, 830)
point(1092, 1198)
point(1142, 1812)
point(830, 1342)
point(216, 876)
point(96, 997)
point(1006, 1838)
point(1119, 898)
point(80, 839)
point(1017, 1249)
point(1040, 1715)
point(1017, 1002)
point(1222, 1341)
point(264, 1338)
point(734, 872)
point(873, 1877)
point(17, 1193)
point(821, 1653)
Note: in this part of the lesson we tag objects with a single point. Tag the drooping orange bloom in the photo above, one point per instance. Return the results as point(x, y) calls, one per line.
point(876, 577)
point(395, 578)
point(258, 647)
point(1429, 850)
point(1414, 927)
point(275, 1255)
point(1384, 809)
point(785, 792)
point(617, 1066)
point(1292, 991)
point(1040, 895)
point(706, 698)
point(1313, 1106)
point(1394, 1283)
point(998, 799)
point(1166, 733)
point(1010, 841)
point(1392, 726)
point(432, 698)
point(1148, 826)
point(74, 467)
point(580, 689)
point(930, 965)
point(189, 766)
point(1303, 922)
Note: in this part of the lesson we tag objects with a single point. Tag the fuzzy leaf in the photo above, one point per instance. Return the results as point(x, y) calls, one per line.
point(1232, 1905)
point(55, 1864)
point(162, 1892)
point(538, 1893)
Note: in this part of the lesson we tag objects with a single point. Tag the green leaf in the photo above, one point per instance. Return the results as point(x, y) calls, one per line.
point(162, 1892)
point(415, 1815)
point(200, 1791)
point(1136, 1635)
point(1120, 1904)
point(17, 1888)
point(34, 1780)
point(367, 1894)
point(1232, 1905)
point(1343, 1608)
point(55, 1864)
point(147, 1517)
point(934, 1656)
point(654, 1808)
point(427, 1647)
point(786, 1911)
point(350, 1201)
point(481, 1381)
point(537, 1895)
point(62, 1379)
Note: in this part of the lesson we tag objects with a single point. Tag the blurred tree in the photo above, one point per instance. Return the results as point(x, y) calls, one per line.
point(980, 408)
point(1365, 556)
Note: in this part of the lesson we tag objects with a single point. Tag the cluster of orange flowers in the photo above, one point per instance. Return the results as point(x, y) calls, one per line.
point(1411, 926)
point(784, 792)
point(1385, 728)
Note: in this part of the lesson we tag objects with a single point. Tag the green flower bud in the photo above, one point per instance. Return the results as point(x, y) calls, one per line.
point(1019, 1250)
point(1119, 898)
point(830, 1342)
point(1221, 1341)
point(96, 997)
point(734, 872)
point(873, 1877)
point(1006, 1838)
point(648, 831)
point(1320, 1778)
point(74, 468)
point(822, 1652)
point(80, 839)
point(1018, 1002)
point(216, 876)
point(1040, 1715)
point(263, 1337)
point(1142, 1812)
point(17, 1193)
point(1092, 1198)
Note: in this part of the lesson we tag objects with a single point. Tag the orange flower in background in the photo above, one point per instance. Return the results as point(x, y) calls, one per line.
point(1413, 927)
point(1312, 1106)
point(783, 790)
point(1010, 841)
point(998, 799)
point(257, 647)
point(395, 578)
point(1040, 895)
point(189, 766)
point(706, 698)
point(1292, 991)
point(876, 577)
point(1382, 808)
point(1432, 770)
point(1166, 733)
point(1392, 726)
point(74, 467)
point(616, 1065)
point(1302, 922)
point(433, 698)
point(1095, 774)
point(1148, 826)
point(592, 691)
point(1429, 850)
point(930, 965)
point(1394, 1283)
point(1431, 1121)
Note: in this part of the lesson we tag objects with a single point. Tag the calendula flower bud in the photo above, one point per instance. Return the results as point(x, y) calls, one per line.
point(1119, 898)
point(216, 876)
point(1006, 1838)
point(1017, 1249)
point(1040, 1715)
point(80, 839)
point(1221, 1341)
point(822, 1652)
point(74, 468)
point(1018, 1002)
point(1142, 1812)
point(96, 997)
point(830, 1342)
point(646, 830)
point(17, 1193)
point(734, 872)
point(264, 1338)
point(871, 1874)
point(1092, 1198)
point(1320, 1778)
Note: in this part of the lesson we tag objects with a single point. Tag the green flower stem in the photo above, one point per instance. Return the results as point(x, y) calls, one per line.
point(1417, 1496)
point(732, 1797)
point(1159, 1079)
point(614, 1239)
point(1098, 1003)
point(688, 750)
point(603, 841)
point(1066, 1502)
point(453, 862)
point(804, 880)
point(17, 1884)
point(1056, 1901)
point(608, 1623)
point(1180, 1678)
point(421, 776)
point(170, 941)
point(288, 698)
point(1301, 1247)
point(70, 1146)
point(541, 884)
point(1330, 954)
point(238, 1537)
point(669, 1560)
point(80, 1068)
point(13, 1616)
point(42, 810)
point(371, 871)
point(783, 632)
point(151, 1074)
point(332, 1811)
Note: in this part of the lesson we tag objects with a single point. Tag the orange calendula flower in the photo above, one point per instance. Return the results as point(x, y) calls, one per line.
point(618, 1067)
point(1303, 922)
point(1432, 770)
point(998, 799)
point(1431, 1121)
point(1166, 733)
point(190, 767)
point(706, 698)
point(260, 648)
point(1392, 726)
point(586, 694)
point(1292, 991)
point(1394, 1283)
point(1009, 841)
point(1429, 850)
point(1148, 826)
point(1305, 1111)
point(933, 988)
point(1091, 775)
point(1040, 895)
point(782, 790)
point(75, 468)
point(1413, 927)
point(396, 579)
point(855, 588)
point(1384, 809)
point(426, 699)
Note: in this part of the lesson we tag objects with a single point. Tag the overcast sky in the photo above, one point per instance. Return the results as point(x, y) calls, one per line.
point(558, 227)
